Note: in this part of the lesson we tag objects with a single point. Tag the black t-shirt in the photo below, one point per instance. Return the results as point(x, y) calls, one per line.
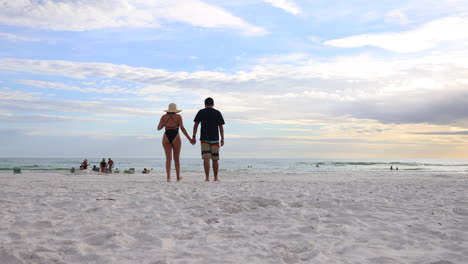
point(210, 119)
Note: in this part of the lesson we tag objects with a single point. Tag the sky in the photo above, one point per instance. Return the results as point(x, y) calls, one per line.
point(353, 79)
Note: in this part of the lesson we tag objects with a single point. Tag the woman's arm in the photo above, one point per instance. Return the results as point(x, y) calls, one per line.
point(181, 125)
point(161, 123)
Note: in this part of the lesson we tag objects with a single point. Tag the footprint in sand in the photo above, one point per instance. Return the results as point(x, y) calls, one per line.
point(442, 262)
point(184, 235)
point(383, 260)
point(43, 224)
point(460, 211)
point(212, 221)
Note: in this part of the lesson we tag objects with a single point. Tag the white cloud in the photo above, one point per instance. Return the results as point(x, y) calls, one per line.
point(392, 90)
point(61, 86)
point(17, 101)
point(427, 36)
point(397, 16)
point(45, 118)
point(287, 5)
point(8, 94)
point(201, 14)
point(288, 58)
point(99, 134)
point(369, 17)
point(98, 14)
point(13, 37)
point(315, 39)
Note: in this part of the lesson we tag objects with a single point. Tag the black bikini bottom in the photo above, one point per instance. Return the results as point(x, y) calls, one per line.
point(171, 134)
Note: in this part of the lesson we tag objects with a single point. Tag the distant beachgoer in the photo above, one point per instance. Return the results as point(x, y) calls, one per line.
point(72, 170)
point(84, 165)
point(171, 139)
point(396, 168)
point(391, 167)
point(103, 165)
point(110, 165)
point(211, 127)
point(96, 169)
point(145, 171)
point(317, 165)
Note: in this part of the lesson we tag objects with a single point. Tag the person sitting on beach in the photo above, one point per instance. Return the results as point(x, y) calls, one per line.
point(171, 138)
point(103, 165)
point(110, 165)
point(84, 165)
point(96, 169)
point(145, 171)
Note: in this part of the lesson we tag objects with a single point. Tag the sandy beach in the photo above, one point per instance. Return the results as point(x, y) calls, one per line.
point(360, 217)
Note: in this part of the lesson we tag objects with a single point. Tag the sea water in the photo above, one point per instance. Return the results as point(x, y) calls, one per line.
point(60, 165)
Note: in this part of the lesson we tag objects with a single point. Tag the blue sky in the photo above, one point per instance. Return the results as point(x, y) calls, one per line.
point(294, 79)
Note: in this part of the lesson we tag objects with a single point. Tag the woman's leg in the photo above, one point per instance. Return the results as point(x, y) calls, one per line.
point(168, 150)
point(177, 145)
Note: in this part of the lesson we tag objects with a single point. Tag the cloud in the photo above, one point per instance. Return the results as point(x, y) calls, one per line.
point(61, 86)
point(17, 101)
point(14, 38)
point(45, 118)
point(99, 14)
point(427, 36)
point(403, 89)
point(288, 58)
point(287, 5)
point(315, 39)
point(397, 16)
point(416, 106)
point(8, 94)
point(446, 133)
point(200, 14)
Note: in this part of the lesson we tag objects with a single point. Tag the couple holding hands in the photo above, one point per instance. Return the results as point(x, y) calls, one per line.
point(211, 121)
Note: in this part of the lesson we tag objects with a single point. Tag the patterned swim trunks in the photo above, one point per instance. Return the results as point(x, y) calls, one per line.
point(210, 150)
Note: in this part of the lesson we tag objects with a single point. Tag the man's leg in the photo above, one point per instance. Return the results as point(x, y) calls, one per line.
point(215, 158)
point(206, 156)
point(215, 169)
point(206, 165)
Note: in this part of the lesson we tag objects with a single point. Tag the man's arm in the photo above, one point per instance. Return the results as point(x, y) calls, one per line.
point(221, 131)
point(195, 128)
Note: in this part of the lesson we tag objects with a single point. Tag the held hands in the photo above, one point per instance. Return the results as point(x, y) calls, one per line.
point(193, 141)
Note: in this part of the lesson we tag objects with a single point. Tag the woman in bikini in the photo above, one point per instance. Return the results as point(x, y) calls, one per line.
point(171, 139)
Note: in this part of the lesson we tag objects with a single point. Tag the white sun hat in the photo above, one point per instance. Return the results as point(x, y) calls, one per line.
point(172, 108)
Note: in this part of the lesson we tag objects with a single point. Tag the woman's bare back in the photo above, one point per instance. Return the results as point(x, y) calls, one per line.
point(172, 121)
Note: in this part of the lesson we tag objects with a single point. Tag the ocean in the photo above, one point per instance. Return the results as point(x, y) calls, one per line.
point(60, 165)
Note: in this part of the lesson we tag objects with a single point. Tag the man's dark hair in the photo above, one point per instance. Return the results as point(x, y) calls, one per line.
point(209, 101)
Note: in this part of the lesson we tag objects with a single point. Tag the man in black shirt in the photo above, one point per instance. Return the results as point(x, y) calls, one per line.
point(211, 127)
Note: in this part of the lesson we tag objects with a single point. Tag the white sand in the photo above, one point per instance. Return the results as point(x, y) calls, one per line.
point(398, 217)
